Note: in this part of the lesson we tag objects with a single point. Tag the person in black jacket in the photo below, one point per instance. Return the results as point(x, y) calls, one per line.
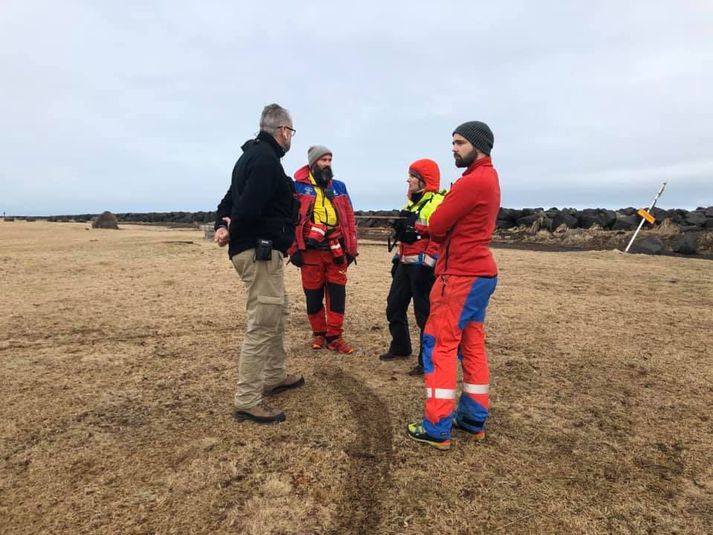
point(257, 219)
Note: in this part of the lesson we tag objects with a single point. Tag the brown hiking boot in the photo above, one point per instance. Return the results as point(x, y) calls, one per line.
point(288, 383)
point(261, 413)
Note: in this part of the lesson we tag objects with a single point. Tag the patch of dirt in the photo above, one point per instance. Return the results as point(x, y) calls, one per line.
point(370, 452)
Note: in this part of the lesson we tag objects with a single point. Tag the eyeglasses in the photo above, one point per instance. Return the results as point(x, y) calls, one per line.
point(290, 129)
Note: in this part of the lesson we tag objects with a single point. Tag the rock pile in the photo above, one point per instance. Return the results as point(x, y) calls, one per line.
point(550, 219)
point(554, 218)
point(675, 231)
point(105, 220)
point(623, 219)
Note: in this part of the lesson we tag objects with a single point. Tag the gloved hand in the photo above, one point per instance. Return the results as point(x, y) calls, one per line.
point(350, 259)
point(394, 265)
point(296, 259)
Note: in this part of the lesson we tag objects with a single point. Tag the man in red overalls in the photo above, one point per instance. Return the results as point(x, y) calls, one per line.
point(325, 245)
point(466, 276)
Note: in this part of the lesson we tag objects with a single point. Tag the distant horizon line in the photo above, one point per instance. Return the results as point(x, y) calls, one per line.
point(4, 214)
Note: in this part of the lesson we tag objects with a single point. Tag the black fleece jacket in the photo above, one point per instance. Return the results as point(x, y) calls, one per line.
point(261, 199)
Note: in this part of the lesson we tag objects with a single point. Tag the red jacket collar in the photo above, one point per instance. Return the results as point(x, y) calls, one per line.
point(479, 163)
point(302, 174)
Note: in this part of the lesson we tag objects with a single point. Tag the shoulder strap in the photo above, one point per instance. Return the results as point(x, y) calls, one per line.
point(423, 202)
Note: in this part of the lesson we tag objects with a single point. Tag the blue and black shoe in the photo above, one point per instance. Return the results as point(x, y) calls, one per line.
point(418, 433)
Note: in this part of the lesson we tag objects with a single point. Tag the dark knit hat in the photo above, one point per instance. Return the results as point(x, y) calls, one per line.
point(315, 152)
point(479, 135)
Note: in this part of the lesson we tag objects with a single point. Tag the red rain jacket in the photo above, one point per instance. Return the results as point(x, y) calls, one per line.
point(423, 251)
point(464, 223)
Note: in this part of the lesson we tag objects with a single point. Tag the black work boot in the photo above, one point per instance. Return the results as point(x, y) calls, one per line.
point(416, 370)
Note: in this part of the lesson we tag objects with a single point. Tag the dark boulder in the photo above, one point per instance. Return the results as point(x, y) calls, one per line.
point(546, 223)
point(530, 211)
point(562, 218)
point(708, 212)
point(607, 218)
point(588, 219)
point(597, 216)
point(504, 224)
point(659, 213)
point(685, 244)
point(514, 215)
point(508, 214)
point(696, 218)
point(677, 216)
point(527, 221)
point(625, 222)
point(648, 245)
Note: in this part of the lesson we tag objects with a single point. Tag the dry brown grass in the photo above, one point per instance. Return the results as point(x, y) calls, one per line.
point(118, 359)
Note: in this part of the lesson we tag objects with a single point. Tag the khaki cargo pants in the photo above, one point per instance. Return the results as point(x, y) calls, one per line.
point(262, 358)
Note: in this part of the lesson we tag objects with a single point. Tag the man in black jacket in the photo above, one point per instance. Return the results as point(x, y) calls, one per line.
point(257, 218)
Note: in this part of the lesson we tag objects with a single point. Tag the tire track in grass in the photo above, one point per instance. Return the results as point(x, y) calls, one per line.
point(370, 453)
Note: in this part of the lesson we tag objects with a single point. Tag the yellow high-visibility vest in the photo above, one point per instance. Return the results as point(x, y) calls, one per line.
point(324, 211)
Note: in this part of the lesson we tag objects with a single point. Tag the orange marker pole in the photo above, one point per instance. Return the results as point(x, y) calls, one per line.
point(644, 218)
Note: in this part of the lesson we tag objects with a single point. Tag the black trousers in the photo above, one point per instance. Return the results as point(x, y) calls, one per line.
point(411, 281)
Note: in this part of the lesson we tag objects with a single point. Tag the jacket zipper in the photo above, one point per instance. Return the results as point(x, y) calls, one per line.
point(445, 267)
point(445, 259)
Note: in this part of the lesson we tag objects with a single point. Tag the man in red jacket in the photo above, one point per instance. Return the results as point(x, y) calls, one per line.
point(466, 276)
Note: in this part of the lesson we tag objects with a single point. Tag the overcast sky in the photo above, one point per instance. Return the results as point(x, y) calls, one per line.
point(142, 106)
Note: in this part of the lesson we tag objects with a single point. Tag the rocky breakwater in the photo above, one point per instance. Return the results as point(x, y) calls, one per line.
point(674, 231)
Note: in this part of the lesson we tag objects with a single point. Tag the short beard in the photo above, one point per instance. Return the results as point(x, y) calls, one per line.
point(322, 176)
point(286, 144)
point(466, 160)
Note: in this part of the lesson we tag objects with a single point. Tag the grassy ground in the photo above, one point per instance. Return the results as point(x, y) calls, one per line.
point(118, 361)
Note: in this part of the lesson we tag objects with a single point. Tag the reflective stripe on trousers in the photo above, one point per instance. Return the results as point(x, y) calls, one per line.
point(476, 389)
point(440, 393)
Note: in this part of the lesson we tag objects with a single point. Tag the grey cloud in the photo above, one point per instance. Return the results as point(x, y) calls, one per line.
point(144, 107)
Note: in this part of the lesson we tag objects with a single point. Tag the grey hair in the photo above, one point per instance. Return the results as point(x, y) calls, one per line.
point(273, 117)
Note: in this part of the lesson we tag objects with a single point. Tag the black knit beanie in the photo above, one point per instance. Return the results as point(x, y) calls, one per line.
point(479, 135)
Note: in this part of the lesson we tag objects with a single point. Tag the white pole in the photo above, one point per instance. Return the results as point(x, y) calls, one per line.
point(663, 186)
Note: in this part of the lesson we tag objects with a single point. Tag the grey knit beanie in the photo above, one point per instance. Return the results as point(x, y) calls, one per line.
point(315, 152)
point(479, 135)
